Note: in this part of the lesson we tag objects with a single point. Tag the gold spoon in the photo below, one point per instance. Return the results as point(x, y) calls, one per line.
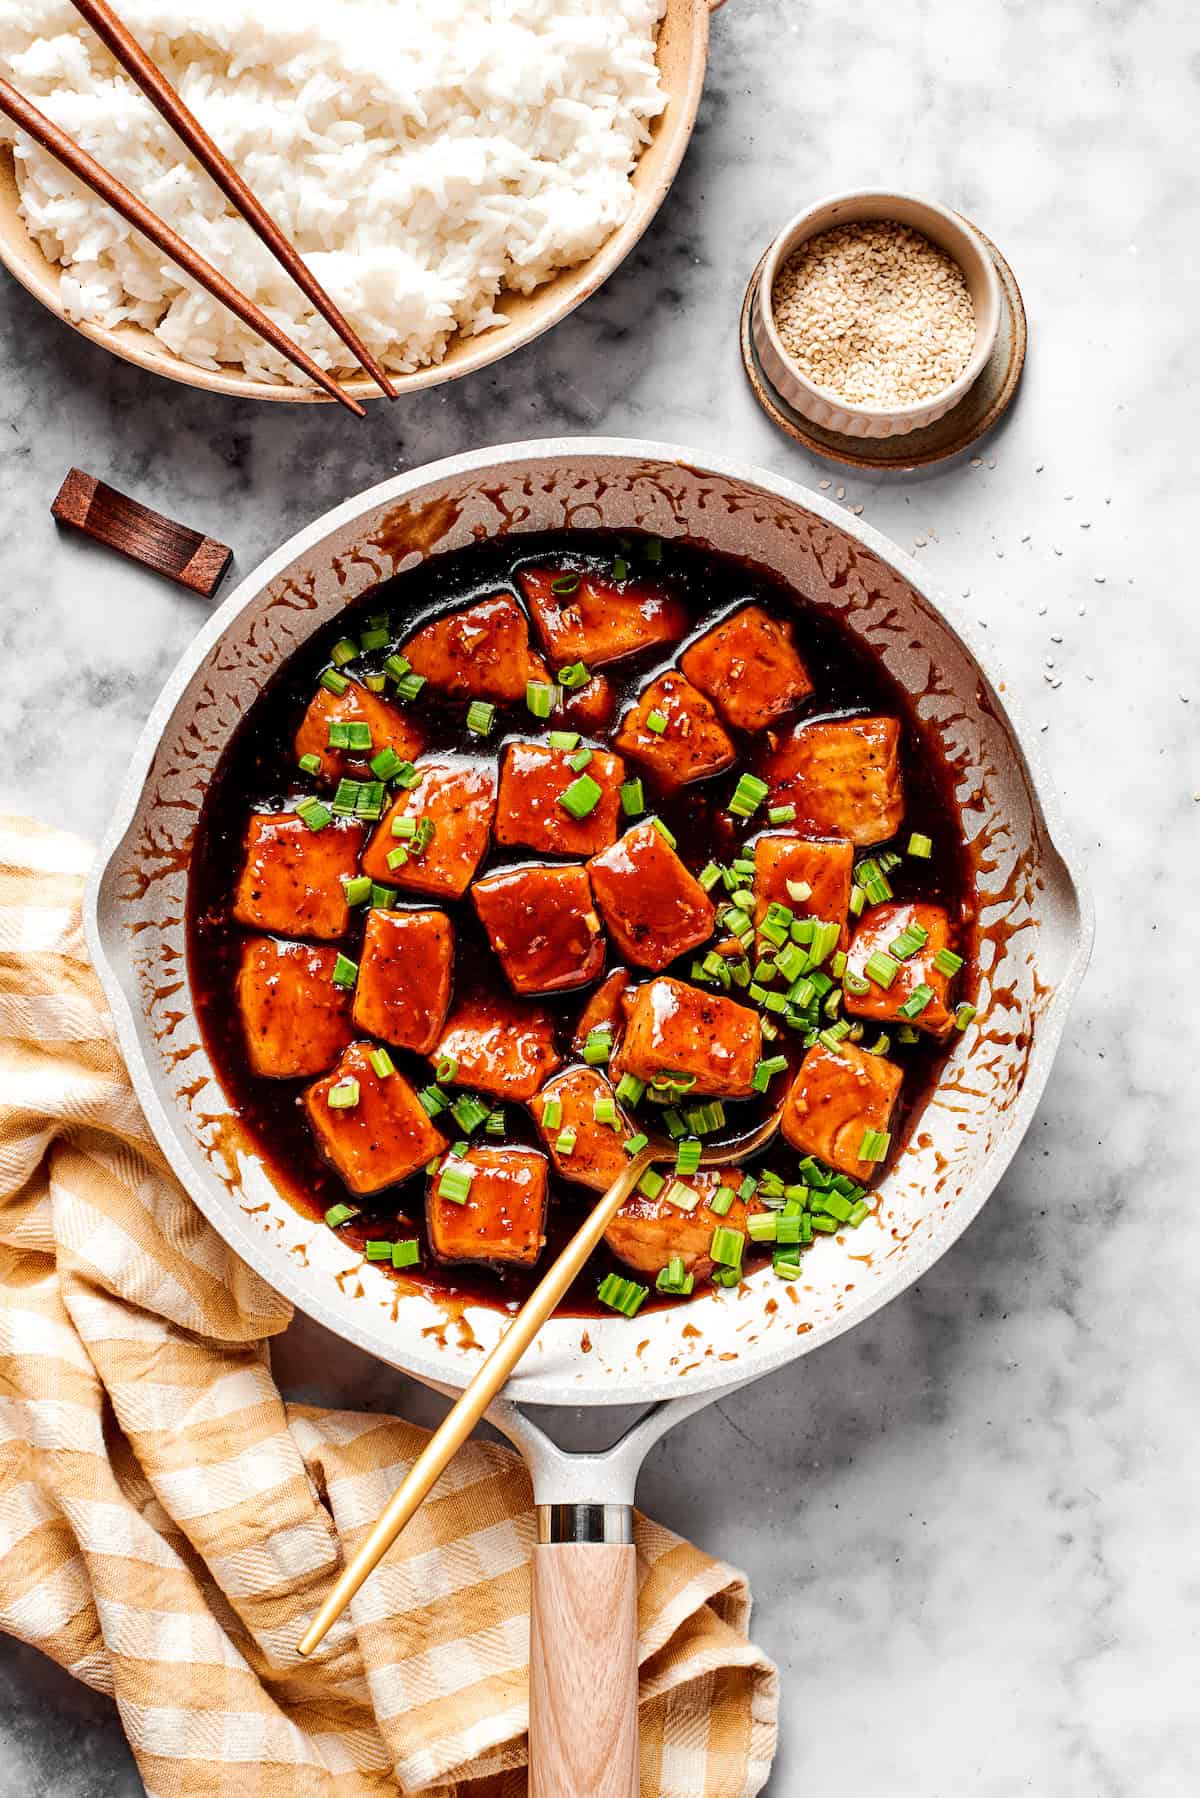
point(458, 1423)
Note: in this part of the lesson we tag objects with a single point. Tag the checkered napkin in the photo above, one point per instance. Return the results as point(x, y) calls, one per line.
point(168, 1523)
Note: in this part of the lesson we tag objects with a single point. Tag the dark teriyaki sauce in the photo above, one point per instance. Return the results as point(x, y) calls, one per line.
point(258, 772)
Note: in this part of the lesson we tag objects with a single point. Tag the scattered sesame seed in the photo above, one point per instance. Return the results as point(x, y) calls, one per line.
point(1086, 527)
point(857, 511)
point(1056, 637)
point(1039, 468)
point(1057, 551)
point(1056, 683)
point(976, 461)
point(1025, 538)
point(825, 484)
point(876, 313)
point(840, 494)
point(1042, 610)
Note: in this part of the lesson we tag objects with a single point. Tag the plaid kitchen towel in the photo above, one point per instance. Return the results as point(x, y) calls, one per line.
point(168, 1523)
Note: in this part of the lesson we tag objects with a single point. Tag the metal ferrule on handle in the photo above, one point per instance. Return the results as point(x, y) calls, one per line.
point(585, 1523)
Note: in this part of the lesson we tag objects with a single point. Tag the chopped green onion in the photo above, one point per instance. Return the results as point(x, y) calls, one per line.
point(405, 828)
point(654, 549)
point(345, 971)
point(906, 1034)
point(455, 1184)
point(687, 1155)
point(387, 764)
point(579, 760)
point(564, 583)
point(785, 1266)
point(651, 1183)
point(858, 1212)
point(748, 795)
point(426, 831)
point(357, 888)
point(310, 763)
point(313, 813)
point(963, 1016)
point(551, 1112)
point(947, 962)
point(727, 1276)
point(765, 1072)
point(379, 1250)
point(496, 1124)
point(873, 881)
point(633, 1145)
point(911, 939)
point(827, 1226)
point(480, 717)
point(409, 685)
point(397, 667)
point(721, 1201)
point(836, 1034)
point(333, 682)
point(633, 798)
point(625, 1296)
point(581, 797)
point(630, 1089)
point(727, 1246)
point(620, 568)
point(563, 739)
point(781, 814)
point(382, 1062)
point(375, 682)
point(763, 1225)
point(343, 651)
point(382, 897)
point(407, 775)
point(702, 1120)
point(874, 1147)
point(446, 1070)
point(574, 676)
point(599, 1046)
point(656, 722)
point(344, 1095)
point(920, 845)
point(337, 1215)
point(917, 1000)
point(604, 1111)
point(566, 1140)
point(824, 941)
point(396, 858)
point(748, 1188)
point(708, 876)
point(374, 638)
point(880, 1046)
point(349, 733)
point(855, 984)
point(469, 1112)
point(663, 832)
point(673, 1280)
point(406, 1253)
point(540, 697)
point(881, 967)
point(682, 1196)
point(432, 1100)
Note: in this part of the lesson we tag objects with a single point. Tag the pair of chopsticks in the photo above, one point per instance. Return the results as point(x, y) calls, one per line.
point(158, 90)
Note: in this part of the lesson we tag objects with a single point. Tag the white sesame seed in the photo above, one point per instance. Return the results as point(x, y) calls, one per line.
point(875, 313)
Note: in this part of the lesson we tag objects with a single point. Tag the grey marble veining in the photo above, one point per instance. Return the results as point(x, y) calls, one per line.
point(971, 1524)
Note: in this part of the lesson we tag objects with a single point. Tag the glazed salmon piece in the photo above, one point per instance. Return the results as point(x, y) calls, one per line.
point(598, 620)
point(843, 777)
point(389, 728)
point(502, 1045)
point(654, 908)
point(749, 668)
point(480, 652)
point(291, 880)
point(383, 1137)
point(826, 865)
point(296, 1021)
point(604, 1009)
point(595, 1158)
point(503, 1217)
point(530, 812)
point(460, 801)
point(590, 708)
point(879, 929)
point(692, 742)
point(543, 926)
point(835, 1097)
point(646, 1233)
point(404, 972)
point(677, 1028)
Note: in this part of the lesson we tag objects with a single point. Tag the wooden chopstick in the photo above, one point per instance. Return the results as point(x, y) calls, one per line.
point(23, 113)
point(158, 90)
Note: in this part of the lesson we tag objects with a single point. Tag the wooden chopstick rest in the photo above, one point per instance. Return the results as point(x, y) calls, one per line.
point(124, 524)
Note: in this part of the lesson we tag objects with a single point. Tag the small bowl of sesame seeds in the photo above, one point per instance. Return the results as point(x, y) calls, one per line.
point(875, 313)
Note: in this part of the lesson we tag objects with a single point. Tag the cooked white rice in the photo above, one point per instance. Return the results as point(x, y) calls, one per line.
point(424, 155)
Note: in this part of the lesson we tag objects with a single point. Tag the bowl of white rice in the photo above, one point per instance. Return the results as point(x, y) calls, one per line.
point(459, 174)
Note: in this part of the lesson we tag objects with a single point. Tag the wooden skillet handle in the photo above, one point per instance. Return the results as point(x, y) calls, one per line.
point(583, 1690)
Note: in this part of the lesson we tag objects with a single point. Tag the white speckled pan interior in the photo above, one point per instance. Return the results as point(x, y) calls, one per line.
point(1034, 936)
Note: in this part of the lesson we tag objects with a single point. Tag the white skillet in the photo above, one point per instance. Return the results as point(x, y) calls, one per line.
point(1036, 929)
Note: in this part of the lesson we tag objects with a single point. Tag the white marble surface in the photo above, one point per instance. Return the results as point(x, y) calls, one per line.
point(971, 1525)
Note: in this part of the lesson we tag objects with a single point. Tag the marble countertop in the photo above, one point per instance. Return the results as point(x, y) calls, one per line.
point(967, 1523)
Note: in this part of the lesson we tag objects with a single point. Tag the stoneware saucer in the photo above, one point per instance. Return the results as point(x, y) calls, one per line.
point(979, 409)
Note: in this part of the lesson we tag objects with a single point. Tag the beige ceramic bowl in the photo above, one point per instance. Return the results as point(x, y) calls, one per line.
point(946, 229)
point(682, 56)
